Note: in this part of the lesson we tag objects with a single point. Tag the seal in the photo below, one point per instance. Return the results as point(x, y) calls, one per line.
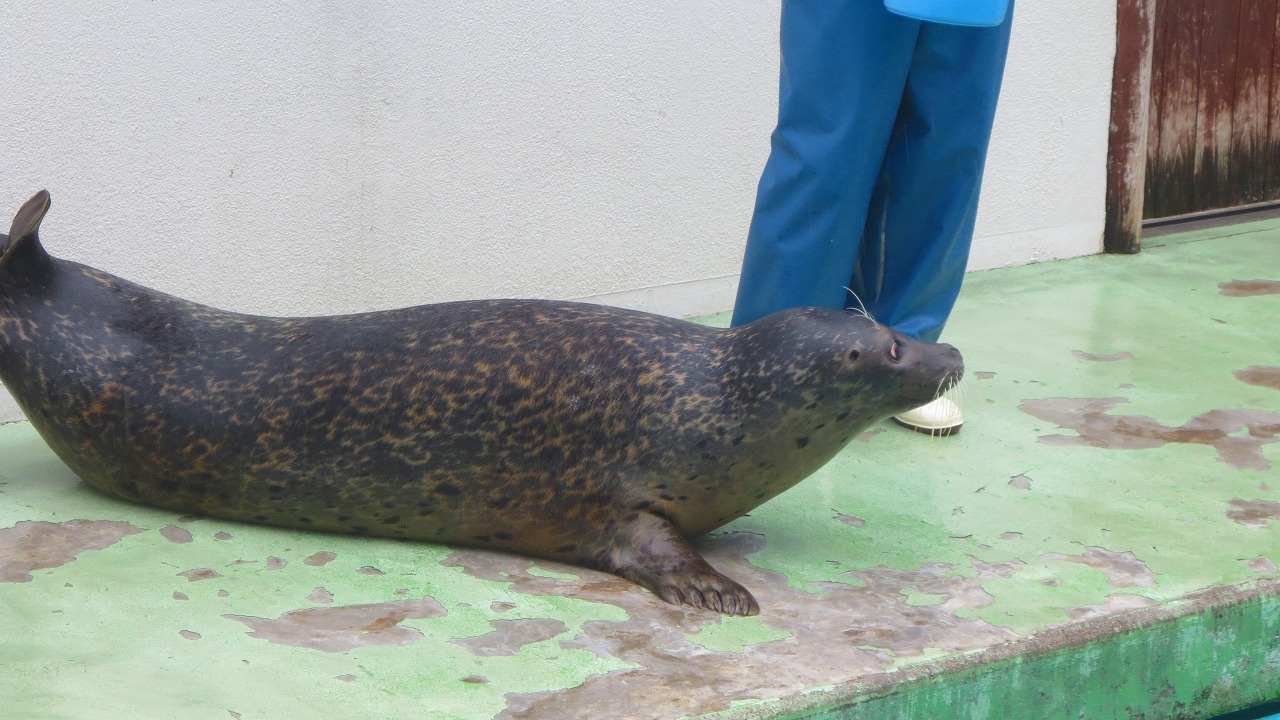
point(580, 433)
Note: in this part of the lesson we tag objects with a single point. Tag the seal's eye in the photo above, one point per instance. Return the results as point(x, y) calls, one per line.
point(895, 350)
point(853, 356)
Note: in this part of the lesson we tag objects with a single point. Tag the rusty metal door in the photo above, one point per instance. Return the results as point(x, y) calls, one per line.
point(1213, 139)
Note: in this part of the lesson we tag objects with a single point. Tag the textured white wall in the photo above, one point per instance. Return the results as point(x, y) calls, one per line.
point(1043, 196)
point(318, 157)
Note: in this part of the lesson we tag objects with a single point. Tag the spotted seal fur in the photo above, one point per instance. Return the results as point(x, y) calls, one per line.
point(581, 433)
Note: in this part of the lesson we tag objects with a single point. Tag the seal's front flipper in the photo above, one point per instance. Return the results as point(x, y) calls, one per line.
point(649, 552)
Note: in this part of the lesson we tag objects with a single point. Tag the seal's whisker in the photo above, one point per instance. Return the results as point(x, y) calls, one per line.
point(952, 386)
point(862, 307)
point(939, 392)
point(943, 387)
point(958, 392)
point(955, 388)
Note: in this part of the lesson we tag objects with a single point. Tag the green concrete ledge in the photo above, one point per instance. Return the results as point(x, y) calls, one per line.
point(1213, 653)
point(1101, 541)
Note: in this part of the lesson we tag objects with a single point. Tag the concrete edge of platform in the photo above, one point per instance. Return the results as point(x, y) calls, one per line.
point(1207, 653)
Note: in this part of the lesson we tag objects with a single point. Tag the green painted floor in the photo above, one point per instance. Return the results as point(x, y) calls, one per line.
point(1101, 541)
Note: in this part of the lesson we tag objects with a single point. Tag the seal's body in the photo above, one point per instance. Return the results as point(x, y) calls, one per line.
point(581, 433)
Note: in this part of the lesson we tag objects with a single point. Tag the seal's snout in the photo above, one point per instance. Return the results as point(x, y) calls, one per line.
point(946, 354)
point(951, 355)
point(953, 366)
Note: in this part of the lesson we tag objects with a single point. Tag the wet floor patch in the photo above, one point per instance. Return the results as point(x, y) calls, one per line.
point(1249, 288)
point(321, 558)
point(1237, 434)
point(29, 546)
point(509, 637)
point(1102, 358)
point(1122, 569)
point(1253, 513)
point(851, 521)
point(1116, 603)
point(1262, 565)
point(1267, 376)
point(176, 534)
point(339, 629)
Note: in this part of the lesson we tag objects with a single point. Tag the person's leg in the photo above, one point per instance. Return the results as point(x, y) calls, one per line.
point(920, 224)
point(844, 67)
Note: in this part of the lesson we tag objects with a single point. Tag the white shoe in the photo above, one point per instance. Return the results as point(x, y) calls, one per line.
point(940, 417)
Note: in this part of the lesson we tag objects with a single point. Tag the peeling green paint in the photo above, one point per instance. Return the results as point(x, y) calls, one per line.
point(916, 598)
point(735, 634)
point(542, 572)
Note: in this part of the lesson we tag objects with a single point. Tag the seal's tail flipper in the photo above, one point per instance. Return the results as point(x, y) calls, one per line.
point(24, 235)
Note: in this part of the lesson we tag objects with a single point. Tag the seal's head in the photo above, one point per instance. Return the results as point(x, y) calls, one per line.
point(795, 388)
point(835, 372)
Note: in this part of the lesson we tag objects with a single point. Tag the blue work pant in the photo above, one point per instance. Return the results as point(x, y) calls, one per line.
point(871, 187)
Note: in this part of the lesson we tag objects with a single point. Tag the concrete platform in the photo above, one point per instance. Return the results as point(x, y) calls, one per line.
point(1100, 541)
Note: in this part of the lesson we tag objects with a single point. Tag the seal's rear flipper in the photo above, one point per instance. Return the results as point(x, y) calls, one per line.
point(651, 553)
point(24, 235)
